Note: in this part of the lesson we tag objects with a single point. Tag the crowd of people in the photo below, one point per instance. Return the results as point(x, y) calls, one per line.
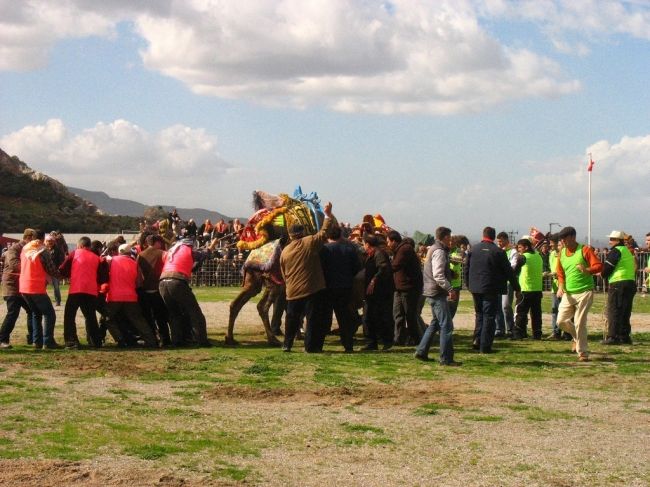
point(141, 290)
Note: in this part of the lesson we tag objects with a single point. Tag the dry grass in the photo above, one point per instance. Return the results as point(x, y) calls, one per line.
point(259, 417)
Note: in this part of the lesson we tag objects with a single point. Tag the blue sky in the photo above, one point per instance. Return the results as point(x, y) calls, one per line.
point(463, 113)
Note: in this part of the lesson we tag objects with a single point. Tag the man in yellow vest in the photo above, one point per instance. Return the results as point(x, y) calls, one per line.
point(576, 268)
point(620, 271)
point(530, 267)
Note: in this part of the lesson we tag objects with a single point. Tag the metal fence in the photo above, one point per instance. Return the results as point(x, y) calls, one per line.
point(219, 272)
point(227, 272)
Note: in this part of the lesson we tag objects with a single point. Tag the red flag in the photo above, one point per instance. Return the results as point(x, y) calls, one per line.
point(591, 164)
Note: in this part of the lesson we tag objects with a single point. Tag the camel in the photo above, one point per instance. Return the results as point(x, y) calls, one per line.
point(264, 235)
point(254, 282)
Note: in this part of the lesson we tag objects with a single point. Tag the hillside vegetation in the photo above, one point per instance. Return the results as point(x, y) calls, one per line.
point(30, 198)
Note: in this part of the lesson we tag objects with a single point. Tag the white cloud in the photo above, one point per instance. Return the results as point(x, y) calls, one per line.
point(123, 159)
point(403, 56)
point(572, 25)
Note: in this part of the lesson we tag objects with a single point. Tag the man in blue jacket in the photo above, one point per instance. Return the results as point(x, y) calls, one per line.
point(487, 273)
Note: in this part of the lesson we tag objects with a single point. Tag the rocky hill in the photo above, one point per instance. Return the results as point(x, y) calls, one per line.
point(30, 198)
point(118, 206)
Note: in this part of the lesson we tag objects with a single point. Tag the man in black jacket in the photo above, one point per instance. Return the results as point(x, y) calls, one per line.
point(488, 272)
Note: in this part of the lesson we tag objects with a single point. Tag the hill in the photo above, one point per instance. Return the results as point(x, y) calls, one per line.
point(31, 198)
point(117, 206)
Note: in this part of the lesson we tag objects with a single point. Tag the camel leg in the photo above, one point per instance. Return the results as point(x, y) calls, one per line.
point(263, 307)
point(251, 287)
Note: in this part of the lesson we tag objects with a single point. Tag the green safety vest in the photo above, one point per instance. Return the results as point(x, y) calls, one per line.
point(552, 262)
point(624, 270)
point(456, 267)
point(574, 280)
point(530, 277)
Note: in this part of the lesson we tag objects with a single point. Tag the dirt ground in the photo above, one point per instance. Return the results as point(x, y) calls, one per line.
point(485, 431)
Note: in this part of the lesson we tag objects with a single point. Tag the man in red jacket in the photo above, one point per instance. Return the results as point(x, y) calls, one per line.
point(122, 298)
point(35, 266)
point(81, 267)
point(185, 315)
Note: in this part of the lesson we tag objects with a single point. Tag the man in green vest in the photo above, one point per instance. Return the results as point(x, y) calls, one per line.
point(576, 268)
point(553, 257)
point(620, 271)
point(530, 267)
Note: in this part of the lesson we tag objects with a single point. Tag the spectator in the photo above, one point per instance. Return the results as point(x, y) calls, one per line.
point(620, 272)
point(81, 266)
point(57, 258)
point(35, 267)
point(10, 290)
point(487, 273)
point(576, 267)
point(530, 267)
point(437, 289)
point(305, 284)
point(379, 294)
point(341, 263)
point(407, 279)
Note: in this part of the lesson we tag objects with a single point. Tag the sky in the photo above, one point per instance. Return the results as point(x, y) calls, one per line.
point(460, 113)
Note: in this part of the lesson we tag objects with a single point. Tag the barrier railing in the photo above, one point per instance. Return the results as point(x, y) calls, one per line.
point(227, 272)
point(219, 272)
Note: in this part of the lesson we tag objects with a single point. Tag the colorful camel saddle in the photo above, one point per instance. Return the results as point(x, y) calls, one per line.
point(276, 213)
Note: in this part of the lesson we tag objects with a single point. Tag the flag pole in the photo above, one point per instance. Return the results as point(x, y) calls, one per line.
point(589, 204)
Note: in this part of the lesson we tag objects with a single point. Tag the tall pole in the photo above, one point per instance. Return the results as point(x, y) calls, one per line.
point(589, 208)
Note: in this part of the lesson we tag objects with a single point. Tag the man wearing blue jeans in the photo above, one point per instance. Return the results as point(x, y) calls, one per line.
point(437, 289)
point(35, 266)
point(487, 271)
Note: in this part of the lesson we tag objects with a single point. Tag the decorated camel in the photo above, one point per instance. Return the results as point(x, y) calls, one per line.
point(265, 235)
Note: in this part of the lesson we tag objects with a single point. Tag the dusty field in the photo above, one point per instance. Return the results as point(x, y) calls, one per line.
point(402, 423)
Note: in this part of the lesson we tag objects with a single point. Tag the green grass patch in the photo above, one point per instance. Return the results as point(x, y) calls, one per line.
point(363, 434)
point(432, 408)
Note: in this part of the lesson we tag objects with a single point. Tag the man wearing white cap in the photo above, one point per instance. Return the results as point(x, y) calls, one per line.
point(620, 271)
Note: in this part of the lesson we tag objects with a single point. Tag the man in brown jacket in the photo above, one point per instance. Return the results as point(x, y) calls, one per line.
point(302, 272)
point(14, 300)
point(407, 277)
point(150, 265)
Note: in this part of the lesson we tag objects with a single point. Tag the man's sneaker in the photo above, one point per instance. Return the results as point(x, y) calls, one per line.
point(387, 346)
point(5, 345)
point(72, 346)
point(555, 336)
point(418, 356)
point(52, 346)
point(451, 363)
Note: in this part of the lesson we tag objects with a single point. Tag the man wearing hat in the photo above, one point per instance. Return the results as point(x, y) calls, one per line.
point(186, 320)
point(576, 268)
point(305, 282)
point(620, 271)
point(13, 298)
